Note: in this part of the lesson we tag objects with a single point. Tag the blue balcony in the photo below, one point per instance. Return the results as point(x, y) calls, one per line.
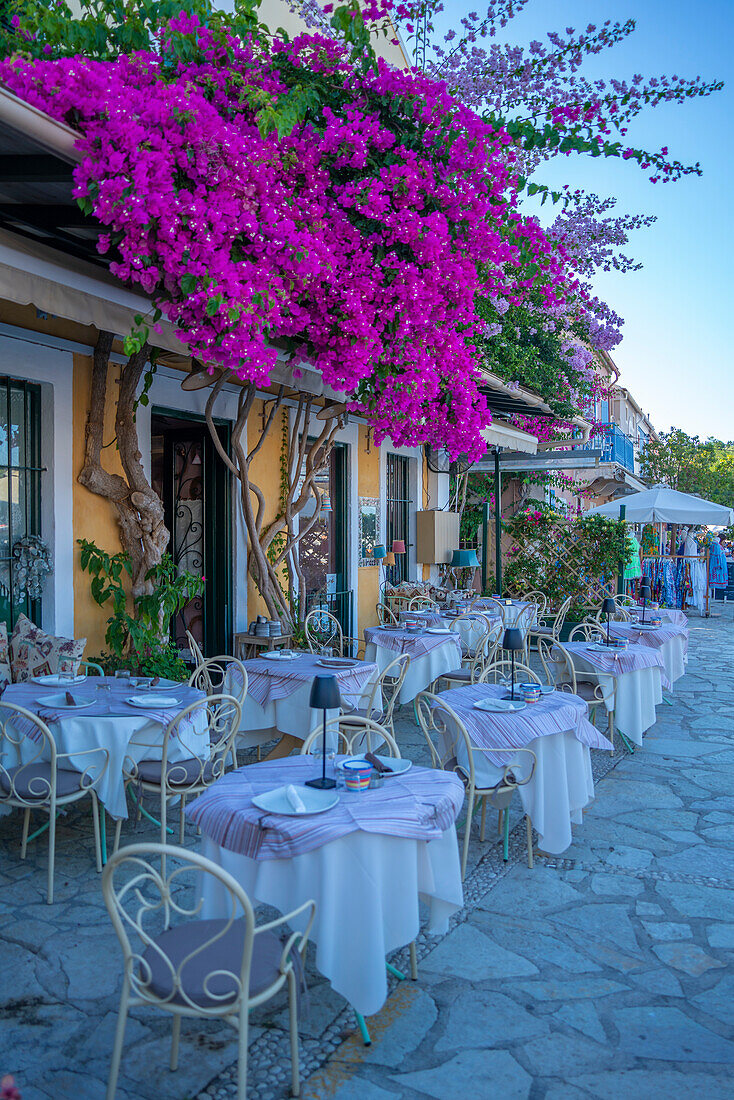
point(615, 446)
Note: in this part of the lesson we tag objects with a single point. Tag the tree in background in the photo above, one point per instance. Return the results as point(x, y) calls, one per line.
point(686, 463)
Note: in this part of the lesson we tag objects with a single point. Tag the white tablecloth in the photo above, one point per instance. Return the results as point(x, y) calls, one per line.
point(291, 713)
point(562, 783)
point(423, 670)
point(366, 888)
point(124, 734)
point(633, 695)
point(469, 630)
point(673, 649)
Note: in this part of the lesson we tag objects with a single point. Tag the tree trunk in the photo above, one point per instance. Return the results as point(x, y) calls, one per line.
point(143, 533)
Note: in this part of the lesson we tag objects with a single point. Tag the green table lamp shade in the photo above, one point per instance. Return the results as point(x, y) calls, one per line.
point(464, 559)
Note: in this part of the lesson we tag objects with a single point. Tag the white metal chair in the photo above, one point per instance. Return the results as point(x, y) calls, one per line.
point(452, 749)
point(539, 599)
point(190, 774)
point(552, 630)
point(42, 778)
point(355, 734)
point(385, 615)
point(483, 639)
point(499, 671)
point(560, 672)
point(194, 648)
point(589, 630)
point(386, 689)
point(422, 603)
point(223, 673)
point(323, 629)
point(90, 668)
point(189, 967)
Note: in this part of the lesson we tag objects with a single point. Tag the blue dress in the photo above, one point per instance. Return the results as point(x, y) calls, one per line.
point(718, 571)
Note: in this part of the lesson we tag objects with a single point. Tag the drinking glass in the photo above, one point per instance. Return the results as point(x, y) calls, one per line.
point(66, 671)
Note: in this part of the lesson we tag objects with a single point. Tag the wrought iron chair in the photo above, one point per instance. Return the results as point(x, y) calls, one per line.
point(386, 689)
point(194, 648)
point(353, 733)
point(422, 603)
point(385, 616)
point(42, 778)
point(477, 651)
point(452, 749)
point(591, 631)
point(499, 671)
point(552, 630)
point(215, 969)
point(193, 755)
point(560, 672)
point(222, 674)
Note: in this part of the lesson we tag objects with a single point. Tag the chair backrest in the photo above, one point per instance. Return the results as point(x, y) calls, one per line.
point(145, 902)
point(477, 636)
point(557, 664)
point(386, 688)
point(560, 617)
point(194, 648)
point(90, 668)
point(452, 748)
point(26, 745)
point(323, 629)
point(354, 735)
point(422, 603)
point(385, 615)
point(539, 599)
point(526, 618)
point(587, 631)
point(222, 673)
point(500, 670)
point(195, 746)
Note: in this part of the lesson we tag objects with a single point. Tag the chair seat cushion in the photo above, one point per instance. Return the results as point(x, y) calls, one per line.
point(168, 983)
point(544, 631)
point(32, 782)
point(457, 674)
point(179, 773)
point(584, 689)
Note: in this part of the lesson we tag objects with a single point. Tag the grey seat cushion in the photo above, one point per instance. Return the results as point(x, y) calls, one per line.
point(584, 689)
point(179, 773)
point(224, 953)
point(32, 781)
point(457, 674)
point(544, 631)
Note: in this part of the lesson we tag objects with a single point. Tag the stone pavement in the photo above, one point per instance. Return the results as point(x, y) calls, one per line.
point(606, 973)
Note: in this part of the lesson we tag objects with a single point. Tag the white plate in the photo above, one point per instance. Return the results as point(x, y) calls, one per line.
point(500, 706)
point(646, 626)
point(52, 680)
point(58, 702)
point(156, 701)
point(546, 689)
point(164, 685)
point(337, 662)
point(316, 801)
point(279, 655)
point(399, 767)
point(438, 630)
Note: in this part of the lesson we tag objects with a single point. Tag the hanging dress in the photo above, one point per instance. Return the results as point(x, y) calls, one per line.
point(633, 565)
point(718, 571)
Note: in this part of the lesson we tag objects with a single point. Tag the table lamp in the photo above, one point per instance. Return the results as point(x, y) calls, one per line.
point(464, 559)
point(644, 596)
point(608, 608)
point(324, 696)
point(512, 640)
point(398, 546)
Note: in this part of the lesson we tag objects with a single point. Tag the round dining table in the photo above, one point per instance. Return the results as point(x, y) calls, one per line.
point(631, 682)
point(669, 640)
point(433, 653)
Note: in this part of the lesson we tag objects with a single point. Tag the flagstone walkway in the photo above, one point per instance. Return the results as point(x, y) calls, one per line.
point(607, 973)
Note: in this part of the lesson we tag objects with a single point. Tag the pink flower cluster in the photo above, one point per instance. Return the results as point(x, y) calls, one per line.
point(358, 241)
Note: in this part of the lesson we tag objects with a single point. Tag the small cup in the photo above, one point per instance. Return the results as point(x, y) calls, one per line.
point(356, 775)
point(530, 692)
point(66, 671)
point(143, 682)
point(123, 674)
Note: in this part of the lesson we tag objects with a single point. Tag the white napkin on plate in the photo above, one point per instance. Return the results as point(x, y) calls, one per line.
point(295, 799)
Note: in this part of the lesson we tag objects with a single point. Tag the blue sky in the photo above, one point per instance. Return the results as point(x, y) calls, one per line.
point(676, 353)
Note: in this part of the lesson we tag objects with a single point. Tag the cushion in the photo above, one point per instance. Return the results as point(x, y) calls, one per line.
point(35, 653)
point(457, 674)
point(584, 689)
point(32, 781)
point(6, 676)
point(544, 631)
point(224, 953)
point(181, 773)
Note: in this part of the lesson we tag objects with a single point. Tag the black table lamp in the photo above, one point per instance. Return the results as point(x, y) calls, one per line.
point(324, 696)
point(608, 608)
point(512, 640)
point(644, 596)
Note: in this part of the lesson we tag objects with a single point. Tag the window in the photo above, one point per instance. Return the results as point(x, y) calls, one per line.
point(396, 506)
point(20, 486)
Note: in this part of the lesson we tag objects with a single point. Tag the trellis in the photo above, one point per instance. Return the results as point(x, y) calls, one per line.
point(563, 558)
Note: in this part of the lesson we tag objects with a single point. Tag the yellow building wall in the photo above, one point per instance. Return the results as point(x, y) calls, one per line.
point(368, 485)
point(265, 472)
point(94, 517)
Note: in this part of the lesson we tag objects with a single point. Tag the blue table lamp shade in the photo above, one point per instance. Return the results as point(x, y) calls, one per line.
point(464, 559)
point(379, 552)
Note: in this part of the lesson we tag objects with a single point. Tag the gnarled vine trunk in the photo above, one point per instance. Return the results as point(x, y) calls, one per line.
point(143, 533)
point(273, 544)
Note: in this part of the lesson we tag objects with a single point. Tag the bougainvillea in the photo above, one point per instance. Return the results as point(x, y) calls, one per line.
point(272, 197)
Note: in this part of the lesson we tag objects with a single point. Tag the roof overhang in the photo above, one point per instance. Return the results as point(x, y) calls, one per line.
point(500, 434)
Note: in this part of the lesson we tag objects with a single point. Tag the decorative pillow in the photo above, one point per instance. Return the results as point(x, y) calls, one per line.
point(5, 674)
point(35, 653)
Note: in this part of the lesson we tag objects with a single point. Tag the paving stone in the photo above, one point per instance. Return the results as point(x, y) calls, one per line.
point(604, 921)
point(721, 935)
point(616, 885)
point(460, 1075)
point(406, 1030)
point(658, 1084)
point(648, 909)
point(659, 982)
point(719, 1001)
point(481, 1019)
point(19, 975)
point(583, 1017)
point(688, 957)
point(354, 1088)
point(564, 1055)
point(534, 945)
point(698, 901)
point(669, 1035)
point(468, 953)
point(667, 930)
point(565, 991)
point(542, 891)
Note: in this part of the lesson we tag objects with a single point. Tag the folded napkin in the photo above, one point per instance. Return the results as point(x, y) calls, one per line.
point(155, 681)
point(377, 764)
point(295, 799)
point(71, 701)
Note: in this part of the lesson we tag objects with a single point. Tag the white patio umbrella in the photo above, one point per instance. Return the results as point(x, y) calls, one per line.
point(661, 504)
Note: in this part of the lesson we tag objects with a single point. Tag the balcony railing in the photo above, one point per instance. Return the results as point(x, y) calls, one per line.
point(615, 446)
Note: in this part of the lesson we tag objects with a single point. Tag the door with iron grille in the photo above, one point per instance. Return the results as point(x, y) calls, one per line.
point(20, 488)
point(397, 509)
point(322, 553)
